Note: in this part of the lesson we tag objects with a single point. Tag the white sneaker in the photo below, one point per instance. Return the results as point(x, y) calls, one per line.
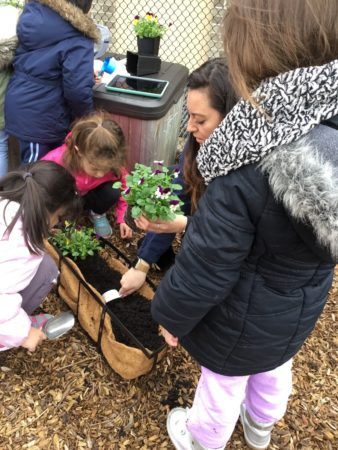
point(178, 432)
point(257, 435)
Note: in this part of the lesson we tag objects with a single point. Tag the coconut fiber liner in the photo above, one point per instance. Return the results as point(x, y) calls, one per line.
point(89, 306)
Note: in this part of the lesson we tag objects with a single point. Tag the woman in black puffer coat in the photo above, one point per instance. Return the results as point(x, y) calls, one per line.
point(257, 259)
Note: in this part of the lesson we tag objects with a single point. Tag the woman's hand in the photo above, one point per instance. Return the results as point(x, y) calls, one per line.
point(125, 231)
point(168, 337)
point(34, 338)
point(173, 226)
point(132, 281)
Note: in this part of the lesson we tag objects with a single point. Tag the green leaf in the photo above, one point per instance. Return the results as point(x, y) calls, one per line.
point(136, 212)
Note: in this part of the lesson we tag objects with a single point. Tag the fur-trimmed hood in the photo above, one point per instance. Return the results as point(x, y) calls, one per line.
point(289, 143)
point(74, 16)
point(7, 51)
point(304, 177)
point(8, 40)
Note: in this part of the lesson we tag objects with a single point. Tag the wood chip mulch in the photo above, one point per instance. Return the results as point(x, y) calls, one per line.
point(65, 396)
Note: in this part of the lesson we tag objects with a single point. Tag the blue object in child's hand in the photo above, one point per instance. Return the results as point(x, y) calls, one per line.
point(108, 66)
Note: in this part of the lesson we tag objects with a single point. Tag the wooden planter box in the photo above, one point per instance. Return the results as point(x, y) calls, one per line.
point(96, 319)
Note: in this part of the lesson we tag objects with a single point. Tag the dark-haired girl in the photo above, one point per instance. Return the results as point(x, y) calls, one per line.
point(31, 202)
point(53, 74)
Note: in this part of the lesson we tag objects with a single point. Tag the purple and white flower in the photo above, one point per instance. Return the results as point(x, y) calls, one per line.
point(174, 205)
point(162, 193)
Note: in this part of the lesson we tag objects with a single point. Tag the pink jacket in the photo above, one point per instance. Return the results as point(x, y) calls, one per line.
point(17, 269)
point(85, 183)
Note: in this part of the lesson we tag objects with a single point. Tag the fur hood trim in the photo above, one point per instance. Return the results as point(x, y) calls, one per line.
point(74, 16)
point(307, 185)
point(7, 51)
point(9, 16)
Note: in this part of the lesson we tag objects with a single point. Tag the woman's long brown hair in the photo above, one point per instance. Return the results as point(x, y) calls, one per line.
point(263, 38)
point(213, 76)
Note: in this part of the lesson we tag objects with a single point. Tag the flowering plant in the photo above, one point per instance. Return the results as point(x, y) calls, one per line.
point(151, 192)
point(148, 26)
point(78, 242)
point(16, 3)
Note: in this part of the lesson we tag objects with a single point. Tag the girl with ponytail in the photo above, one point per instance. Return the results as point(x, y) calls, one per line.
point(95, 154)
point(31, 202)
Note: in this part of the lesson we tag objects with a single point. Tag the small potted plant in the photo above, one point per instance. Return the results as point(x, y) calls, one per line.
point(152, 192)
point(149, 32)
point(76, 242)
point(123, 328)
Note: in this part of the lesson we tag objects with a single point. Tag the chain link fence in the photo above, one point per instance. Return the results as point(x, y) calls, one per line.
point(192, 38)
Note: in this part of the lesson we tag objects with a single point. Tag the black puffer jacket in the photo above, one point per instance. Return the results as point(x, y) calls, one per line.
point(251, 278)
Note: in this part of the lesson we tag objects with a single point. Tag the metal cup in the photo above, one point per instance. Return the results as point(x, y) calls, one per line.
point(59, 325)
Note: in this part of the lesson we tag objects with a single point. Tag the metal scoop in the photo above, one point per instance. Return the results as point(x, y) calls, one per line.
point(59, 325)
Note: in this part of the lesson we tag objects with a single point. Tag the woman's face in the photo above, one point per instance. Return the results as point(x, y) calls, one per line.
point(203, 118)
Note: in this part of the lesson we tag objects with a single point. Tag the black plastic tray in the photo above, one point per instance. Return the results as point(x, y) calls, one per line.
point(145, 108)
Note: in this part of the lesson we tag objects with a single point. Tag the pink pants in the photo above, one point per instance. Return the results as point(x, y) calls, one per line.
point(215, 410)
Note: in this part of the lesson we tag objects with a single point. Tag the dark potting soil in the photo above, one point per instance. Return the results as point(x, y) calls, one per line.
point(179, 389)
point(133, 311)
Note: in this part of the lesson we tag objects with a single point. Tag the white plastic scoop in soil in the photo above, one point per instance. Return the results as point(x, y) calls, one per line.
point(113, 294)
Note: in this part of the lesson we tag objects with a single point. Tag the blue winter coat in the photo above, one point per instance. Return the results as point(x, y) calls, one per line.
point(53, 71)
point(251, 278)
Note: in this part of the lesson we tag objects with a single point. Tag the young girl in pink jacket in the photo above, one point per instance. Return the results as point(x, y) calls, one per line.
point(94, 153)
point(31, 202)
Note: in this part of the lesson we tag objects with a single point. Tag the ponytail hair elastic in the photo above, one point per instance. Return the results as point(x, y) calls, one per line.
point(26, 175)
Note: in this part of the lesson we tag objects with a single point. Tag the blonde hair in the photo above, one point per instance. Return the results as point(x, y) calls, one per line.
point(264, 38)
point(98, 138)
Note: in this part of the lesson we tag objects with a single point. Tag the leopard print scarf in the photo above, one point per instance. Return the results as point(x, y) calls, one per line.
point(293, 103)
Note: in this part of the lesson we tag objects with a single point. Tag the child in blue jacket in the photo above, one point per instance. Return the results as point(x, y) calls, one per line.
point(53, 74)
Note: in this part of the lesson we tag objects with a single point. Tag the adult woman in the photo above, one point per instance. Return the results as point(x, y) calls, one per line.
point(257, 260)
point(210, 98)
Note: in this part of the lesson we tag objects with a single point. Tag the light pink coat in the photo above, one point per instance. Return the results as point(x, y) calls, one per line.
point(17, 269)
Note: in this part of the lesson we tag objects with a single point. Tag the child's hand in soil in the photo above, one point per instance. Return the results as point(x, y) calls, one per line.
point(168, 337)
point(125, 231)
point(173, 226)
point(132, 281)
point(34, 338)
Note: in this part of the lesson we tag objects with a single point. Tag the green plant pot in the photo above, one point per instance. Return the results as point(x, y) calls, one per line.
point(148, 46)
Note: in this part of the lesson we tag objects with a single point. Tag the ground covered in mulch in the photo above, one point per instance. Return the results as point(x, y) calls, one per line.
point(65, 396)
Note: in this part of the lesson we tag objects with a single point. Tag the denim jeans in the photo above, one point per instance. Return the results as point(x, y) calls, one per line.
point(218, 398)
point(3, 153)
